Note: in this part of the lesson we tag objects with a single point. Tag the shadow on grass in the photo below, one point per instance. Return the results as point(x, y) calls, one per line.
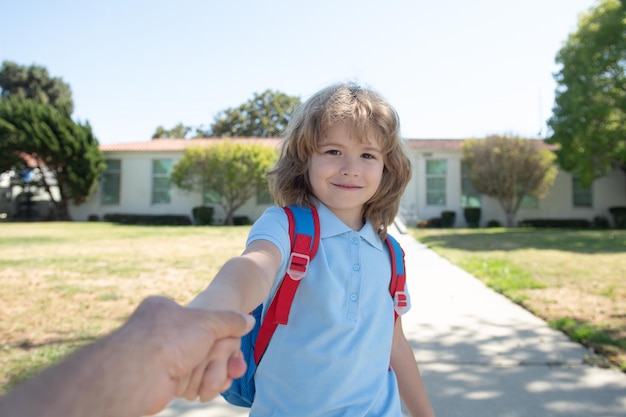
point(29, 359)
point(28, 345)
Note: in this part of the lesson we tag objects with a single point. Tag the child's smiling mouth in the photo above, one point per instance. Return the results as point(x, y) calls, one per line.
point(347, 186)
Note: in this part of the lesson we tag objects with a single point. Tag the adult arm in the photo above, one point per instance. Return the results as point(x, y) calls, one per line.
point(134, 371)
point(410, 384)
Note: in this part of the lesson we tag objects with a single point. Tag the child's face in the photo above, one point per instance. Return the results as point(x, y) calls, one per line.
point(344, 173)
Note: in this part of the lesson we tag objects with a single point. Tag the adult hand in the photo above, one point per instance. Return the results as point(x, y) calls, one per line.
point(135, 370)
point(180, 340)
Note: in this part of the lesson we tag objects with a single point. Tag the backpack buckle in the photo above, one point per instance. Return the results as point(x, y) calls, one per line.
point(298, 265)
point(400, 302)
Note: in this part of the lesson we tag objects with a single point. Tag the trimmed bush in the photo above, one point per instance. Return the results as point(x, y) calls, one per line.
point(600, 222)
point(148, 219)
point(472, 216)
point(242, 221)
point(619, 217)
point(557, 223)
point(493, 223)
point(448, 218)
point(435, 222)
point(202, 215)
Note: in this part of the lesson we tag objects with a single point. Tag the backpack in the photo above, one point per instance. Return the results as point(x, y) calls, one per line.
point(304, 231)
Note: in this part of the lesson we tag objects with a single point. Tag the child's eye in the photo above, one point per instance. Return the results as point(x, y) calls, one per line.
point(368, 156)
point(333, 152)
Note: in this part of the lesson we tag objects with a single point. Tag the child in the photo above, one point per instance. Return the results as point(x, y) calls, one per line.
point(341, 153)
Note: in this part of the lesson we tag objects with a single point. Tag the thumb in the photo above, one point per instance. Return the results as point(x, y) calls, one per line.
point(228, 323)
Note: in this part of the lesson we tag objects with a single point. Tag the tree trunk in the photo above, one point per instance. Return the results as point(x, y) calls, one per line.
point(510, 219)
point(61, 206)
point(61, 211)
point(623, 168)
point(229, 220)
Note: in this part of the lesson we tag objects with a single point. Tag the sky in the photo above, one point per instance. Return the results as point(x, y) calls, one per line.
point(453, 69)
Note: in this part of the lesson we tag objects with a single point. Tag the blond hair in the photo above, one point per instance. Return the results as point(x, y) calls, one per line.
point(366, 112)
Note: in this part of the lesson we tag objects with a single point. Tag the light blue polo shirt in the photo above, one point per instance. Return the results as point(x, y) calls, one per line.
point(332, 358)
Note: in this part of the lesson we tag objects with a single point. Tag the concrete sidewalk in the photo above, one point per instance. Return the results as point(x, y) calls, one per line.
point(482, 355)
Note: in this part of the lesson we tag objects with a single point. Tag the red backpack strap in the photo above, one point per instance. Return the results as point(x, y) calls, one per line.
point(398, 277)
point(304, 229)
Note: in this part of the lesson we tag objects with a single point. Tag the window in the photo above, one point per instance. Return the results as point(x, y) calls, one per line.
point(529, 202)
point(436, 182)
point(110, 193)
point(470, 197)
point(211, 197)
point(583, 196)
point(161, 170)
point(263, 196)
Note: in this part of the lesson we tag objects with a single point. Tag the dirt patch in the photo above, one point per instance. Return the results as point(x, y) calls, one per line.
point(609, 314)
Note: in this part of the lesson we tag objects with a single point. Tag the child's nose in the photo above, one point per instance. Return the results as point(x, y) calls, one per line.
point(349, 167)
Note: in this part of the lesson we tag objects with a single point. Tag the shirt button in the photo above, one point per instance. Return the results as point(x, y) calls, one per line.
point(354, 241)
point(353, 297)
point(356, 267)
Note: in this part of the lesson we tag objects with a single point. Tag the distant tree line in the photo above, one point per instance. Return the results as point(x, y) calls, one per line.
point(265, 115)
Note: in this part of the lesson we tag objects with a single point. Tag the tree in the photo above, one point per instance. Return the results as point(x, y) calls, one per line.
point(231, 172)
point(589, 114)
point(508, 168)
point(265, 115)
point(65, 152)
point(34, 82)
point(178, 131)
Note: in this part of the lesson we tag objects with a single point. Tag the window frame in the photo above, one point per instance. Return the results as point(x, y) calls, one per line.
point(469, 193)
point(578, 191)
point(110, 177)
point(160, 191)
point(529, 202)
point(436, 196)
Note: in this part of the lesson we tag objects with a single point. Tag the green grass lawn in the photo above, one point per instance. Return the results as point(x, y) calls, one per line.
point(574, 279)
point(66, 284)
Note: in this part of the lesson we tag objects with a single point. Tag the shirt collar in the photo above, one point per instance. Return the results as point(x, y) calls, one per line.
point(330, 225)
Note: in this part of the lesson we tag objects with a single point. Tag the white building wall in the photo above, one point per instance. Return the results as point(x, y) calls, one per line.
point(413, 205)
point(136, 190)
point(607, 192)
point(136, 193)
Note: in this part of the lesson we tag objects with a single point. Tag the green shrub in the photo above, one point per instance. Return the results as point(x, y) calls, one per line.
point(448, 218)
point(619, 216)
point(493, 223)
point(600, 222)
point(432, 223)
point(149, 219)
point(472, 216)
point(242, 221)
point(557, 223)
point(202, 215)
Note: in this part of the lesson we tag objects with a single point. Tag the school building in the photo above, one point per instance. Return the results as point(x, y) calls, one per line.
point(137, 182)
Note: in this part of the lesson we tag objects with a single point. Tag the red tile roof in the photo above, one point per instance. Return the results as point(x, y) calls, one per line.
point(173, 145)
point(435, 144)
